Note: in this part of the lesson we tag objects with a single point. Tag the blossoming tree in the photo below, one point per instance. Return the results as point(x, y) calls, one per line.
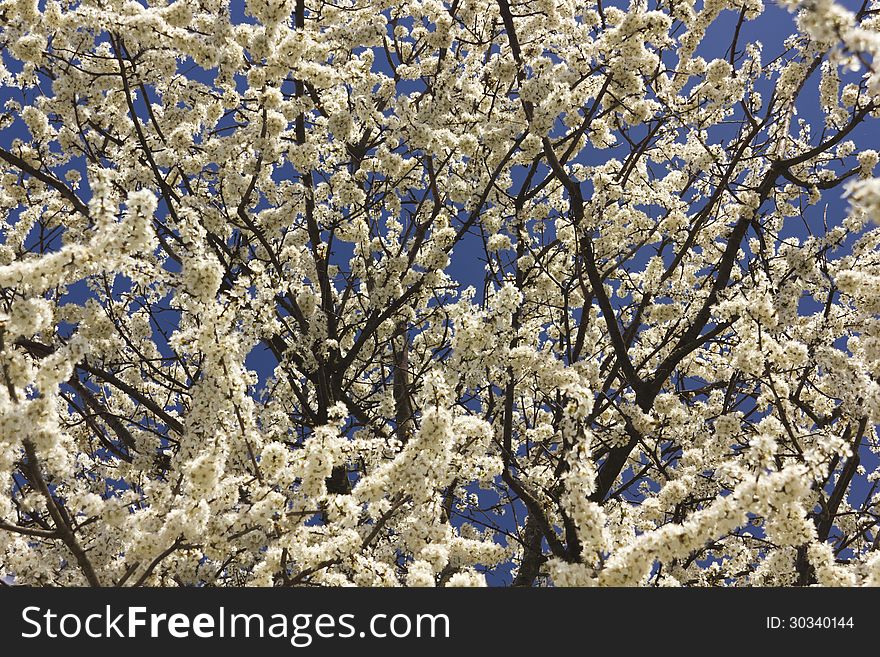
point(242, 340)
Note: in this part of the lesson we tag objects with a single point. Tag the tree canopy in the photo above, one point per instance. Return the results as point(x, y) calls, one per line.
point(380, 292)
